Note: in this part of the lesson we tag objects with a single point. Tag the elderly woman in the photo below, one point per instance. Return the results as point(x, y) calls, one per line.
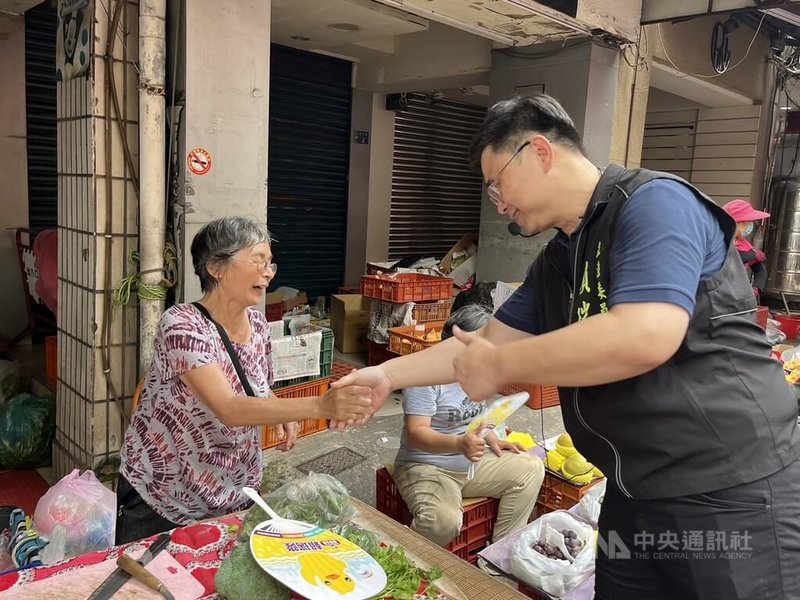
point(435, 454)
point(193, 441)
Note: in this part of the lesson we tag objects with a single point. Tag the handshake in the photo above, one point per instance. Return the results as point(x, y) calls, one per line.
point(353, 399)
point(358, 395)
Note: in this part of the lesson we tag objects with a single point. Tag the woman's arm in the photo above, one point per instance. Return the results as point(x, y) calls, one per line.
point(211, 386)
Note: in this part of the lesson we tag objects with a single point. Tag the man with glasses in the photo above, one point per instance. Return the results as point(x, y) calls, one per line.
point(640, 312)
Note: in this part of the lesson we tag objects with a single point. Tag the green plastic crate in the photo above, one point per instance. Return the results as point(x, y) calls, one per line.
point(325, 362)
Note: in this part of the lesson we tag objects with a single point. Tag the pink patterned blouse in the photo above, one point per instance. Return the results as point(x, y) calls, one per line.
point(177, 454)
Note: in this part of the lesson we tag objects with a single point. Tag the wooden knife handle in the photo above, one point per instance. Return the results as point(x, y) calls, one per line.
point(138, 572)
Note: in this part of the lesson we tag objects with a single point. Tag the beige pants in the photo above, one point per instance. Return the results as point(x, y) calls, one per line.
point(434, 495)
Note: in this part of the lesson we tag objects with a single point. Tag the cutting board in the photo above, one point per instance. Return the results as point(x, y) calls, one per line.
point(80, 583)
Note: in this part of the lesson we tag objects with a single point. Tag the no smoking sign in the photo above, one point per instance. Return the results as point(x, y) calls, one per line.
point(199, 161)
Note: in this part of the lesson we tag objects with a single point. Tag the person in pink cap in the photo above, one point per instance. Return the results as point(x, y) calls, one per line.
point(746, 216)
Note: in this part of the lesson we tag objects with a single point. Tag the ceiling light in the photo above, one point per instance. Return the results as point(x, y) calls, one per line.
point(347, 27)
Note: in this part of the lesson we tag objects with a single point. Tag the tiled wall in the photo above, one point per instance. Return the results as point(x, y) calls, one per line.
point(89, 424)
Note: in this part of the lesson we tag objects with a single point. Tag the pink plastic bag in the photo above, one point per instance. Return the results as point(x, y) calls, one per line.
point(84, 507)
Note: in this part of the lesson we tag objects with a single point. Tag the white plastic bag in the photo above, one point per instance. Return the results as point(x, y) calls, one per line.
point(553, 576)
point(589, 506)
point(84, 507)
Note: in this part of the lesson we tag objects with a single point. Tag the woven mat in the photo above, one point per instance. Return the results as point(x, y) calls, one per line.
point(473, 583)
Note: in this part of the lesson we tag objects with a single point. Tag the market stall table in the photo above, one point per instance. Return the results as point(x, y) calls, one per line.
point(199, 550)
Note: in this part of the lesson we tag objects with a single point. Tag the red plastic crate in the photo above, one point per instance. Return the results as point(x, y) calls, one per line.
point(274, 312)
point(309, 426)
point(425, 312)
point(476, 531)
point(378, 353)
point(542, 396)
point(406, 287)
point(557, 493)
point(403, 341)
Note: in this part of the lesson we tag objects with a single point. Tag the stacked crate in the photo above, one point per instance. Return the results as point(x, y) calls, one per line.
point(478, 522)
point(541, 396)
point(433, 298)
point(301, 387)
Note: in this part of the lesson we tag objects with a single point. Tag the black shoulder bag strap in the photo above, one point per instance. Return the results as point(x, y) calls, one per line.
point(229, 347)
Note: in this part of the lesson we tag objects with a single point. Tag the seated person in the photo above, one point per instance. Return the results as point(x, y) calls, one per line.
point(745, 216)
point(435, 453)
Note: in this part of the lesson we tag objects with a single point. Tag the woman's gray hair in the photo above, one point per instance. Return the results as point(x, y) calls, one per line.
point(468, 318)
point(220, 239)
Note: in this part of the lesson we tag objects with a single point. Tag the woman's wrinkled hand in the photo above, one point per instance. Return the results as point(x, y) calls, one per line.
point(288, 431)
point(349, 403)
point(376, 379)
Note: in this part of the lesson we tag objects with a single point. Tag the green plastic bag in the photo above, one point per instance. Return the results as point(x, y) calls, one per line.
point(27, 427)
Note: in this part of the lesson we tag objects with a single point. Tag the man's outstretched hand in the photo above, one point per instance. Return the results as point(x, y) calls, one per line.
point(377, 379)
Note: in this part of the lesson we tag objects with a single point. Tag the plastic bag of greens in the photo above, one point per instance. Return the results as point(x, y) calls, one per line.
point(27, 427)
point(317, 499)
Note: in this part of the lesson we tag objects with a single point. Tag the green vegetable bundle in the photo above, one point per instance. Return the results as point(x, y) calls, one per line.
point(240, 578)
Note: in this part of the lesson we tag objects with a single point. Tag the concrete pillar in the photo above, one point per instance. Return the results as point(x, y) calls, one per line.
point(370, 192)
point(584, 79)
point(97, 232)
point(633, 89)
point(225, 120)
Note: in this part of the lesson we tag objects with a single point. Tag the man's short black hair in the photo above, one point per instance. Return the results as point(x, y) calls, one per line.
point(509, 122)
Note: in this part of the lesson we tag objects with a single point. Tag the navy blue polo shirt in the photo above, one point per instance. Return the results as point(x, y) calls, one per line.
point(666, 242)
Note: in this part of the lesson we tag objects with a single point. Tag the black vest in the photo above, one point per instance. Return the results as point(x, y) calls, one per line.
point(719, 413)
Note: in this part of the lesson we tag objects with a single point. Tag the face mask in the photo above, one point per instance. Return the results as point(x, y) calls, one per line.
point(748, 231)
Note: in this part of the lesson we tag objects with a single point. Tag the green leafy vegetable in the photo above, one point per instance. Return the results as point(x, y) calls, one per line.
point(404, 578)
point(366, 540)
point(240, 578)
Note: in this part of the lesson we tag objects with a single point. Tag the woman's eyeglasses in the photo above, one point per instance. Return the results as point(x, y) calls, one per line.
point(261, 265)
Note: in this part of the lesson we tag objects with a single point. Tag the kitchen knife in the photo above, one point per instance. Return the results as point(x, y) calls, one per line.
point(138, 572)
point(119, 577)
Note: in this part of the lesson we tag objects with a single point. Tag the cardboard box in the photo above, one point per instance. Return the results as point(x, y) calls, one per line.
point(350, 321)
point(461, 274)
point(381, 268)
point(298, 300)
point(277, 297)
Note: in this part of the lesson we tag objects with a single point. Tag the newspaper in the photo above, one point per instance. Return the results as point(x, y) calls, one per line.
point(502, 292)
point(297, 355)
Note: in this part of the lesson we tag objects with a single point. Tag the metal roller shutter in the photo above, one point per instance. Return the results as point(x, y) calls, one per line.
point(309, 152)
point(40, 98)
point(436, 197)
